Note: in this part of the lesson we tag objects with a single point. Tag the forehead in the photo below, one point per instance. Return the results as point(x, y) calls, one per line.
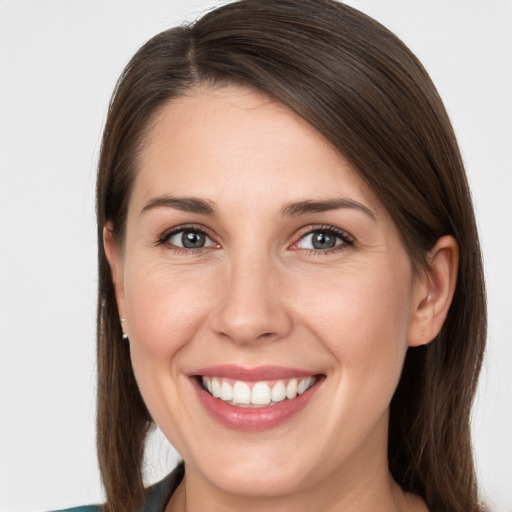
point(231, 142)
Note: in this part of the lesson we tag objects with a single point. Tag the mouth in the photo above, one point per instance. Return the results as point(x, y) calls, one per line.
point(247, 394)
point(254, 399)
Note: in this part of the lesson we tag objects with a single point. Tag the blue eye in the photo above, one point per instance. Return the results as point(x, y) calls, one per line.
point(189, 239)
point(323, 240)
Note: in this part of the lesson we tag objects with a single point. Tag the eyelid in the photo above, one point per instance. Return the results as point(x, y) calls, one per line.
point(166, 235)
point(347, 238)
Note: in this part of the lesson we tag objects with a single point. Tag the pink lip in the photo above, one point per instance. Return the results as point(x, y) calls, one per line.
point(252, 419)
point(252, 374)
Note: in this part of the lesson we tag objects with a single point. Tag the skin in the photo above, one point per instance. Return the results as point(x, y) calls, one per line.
point(260, 294)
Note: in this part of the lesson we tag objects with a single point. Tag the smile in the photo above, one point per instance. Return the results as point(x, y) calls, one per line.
point(256, 394)
point(254, 399)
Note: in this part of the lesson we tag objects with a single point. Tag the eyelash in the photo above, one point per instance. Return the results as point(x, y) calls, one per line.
point(346, 238)
point(167, 235)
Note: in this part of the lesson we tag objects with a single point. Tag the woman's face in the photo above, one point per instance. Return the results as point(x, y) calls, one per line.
point(257, 261)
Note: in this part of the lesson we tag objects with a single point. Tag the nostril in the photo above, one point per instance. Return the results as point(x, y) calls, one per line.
point(267, 334)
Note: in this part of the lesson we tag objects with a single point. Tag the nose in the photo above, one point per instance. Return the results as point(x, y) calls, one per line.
point(252, 305)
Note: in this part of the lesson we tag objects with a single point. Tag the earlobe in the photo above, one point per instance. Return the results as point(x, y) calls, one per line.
point(434, 292)
point(114, 261)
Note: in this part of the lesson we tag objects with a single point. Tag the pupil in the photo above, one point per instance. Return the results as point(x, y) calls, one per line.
point(192, 239)
point(323, 241)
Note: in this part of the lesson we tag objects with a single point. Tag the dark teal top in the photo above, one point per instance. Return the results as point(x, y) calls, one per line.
point(86, 508)
point(157, 497)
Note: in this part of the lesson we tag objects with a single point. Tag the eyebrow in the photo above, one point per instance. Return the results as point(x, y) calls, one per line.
point(186, 204)
point(313, 206)
point(202, 206)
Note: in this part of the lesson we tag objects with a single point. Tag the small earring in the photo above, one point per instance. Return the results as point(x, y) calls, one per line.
point(125, 336)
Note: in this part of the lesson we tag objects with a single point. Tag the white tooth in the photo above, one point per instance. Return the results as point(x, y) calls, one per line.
point(207, 383)
point(291, 389)
point(226, 391)
point(278, 392)
point(241, 393)
point(215, 388)
point(311, 381)
point(261, 394)
point(303, 385)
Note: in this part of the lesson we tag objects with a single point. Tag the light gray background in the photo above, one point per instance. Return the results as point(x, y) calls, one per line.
point(59, 60)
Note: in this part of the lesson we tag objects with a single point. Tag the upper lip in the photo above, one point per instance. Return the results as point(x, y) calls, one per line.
point(255, 374)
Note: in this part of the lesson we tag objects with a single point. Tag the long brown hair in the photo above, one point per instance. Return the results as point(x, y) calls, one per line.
point(364, 90)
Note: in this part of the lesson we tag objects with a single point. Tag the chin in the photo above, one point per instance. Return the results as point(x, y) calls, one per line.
point(257, 478)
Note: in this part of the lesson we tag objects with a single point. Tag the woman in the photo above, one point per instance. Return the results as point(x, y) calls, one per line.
point(290, 276)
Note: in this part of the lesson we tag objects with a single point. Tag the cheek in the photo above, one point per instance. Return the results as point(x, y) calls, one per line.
point(166, 308)
point(363, 320)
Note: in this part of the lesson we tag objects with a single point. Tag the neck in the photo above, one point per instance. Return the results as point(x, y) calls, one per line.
point(386, 498)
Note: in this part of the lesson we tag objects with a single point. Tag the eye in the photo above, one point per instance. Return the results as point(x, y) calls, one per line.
point(188, 239)
point(323, 239)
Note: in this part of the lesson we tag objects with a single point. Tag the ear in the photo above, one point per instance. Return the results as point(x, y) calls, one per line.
point(115, 262)
point(433, 292)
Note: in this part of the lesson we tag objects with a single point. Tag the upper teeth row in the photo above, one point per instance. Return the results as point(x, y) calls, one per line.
point(262, 393)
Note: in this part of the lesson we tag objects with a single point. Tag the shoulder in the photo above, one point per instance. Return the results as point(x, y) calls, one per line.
point(160, 493)
point(157, 495)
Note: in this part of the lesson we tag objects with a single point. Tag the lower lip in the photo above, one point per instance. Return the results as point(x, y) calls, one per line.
point(253, 419)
